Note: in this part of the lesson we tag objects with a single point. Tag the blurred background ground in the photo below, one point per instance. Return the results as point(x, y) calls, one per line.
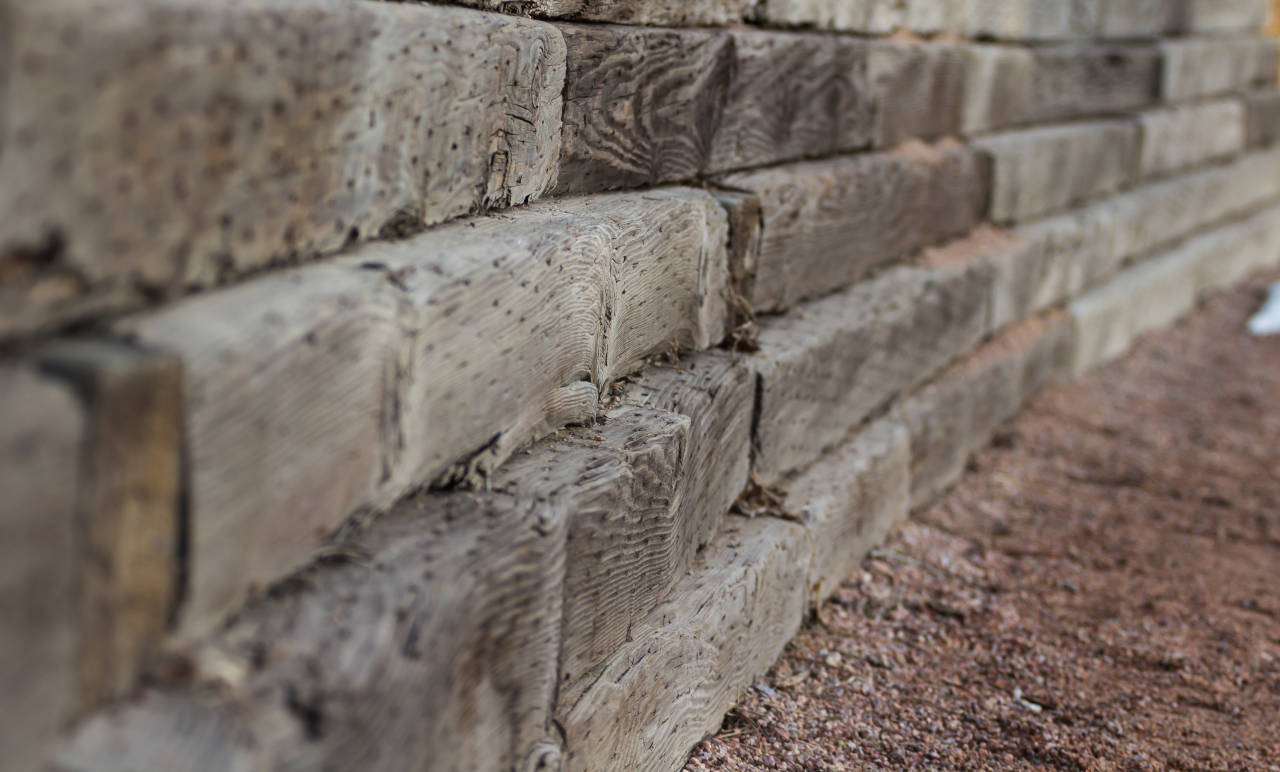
point(1101, 591)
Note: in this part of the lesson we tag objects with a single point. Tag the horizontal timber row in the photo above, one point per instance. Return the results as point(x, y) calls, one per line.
point(209, 142)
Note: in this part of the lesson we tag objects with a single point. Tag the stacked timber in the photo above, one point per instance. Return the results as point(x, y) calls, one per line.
point(419, 386)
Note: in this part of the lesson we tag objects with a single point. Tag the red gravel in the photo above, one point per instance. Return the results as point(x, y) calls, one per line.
point(1101, 591)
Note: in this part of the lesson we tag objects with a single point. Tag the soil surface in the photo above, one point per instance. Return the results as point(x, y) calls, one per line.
point(1101, 591)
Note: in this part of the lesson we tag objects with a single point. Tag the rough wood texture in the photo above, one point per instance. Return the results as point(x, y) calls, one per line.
point(716, 390)
point(955, 415)
point(159, 146)
point(848, 500)
point(662, 13)
point(1043, 170)
point(746, 227)
point(129, 501)
point(431, 645)
point(872, 16)
point(824, 370)
point(332, 390)
point(1263, 109)
point(1208, 66)
point(628, 543)
point(290, 415)
point(792, 96)
point(828, 224)
point(1072, 81)
point(919, 90)
point(1177, 138)
point(42, 433)
point(641, 105)
point(724, 626)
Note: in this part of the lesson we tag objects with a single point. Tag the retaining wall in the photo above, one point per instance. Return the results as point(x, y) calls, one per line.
point(403, 386)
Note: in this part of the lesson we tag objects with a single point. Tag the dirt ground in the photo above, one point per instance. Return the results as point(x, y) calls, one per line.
point(1101, 591)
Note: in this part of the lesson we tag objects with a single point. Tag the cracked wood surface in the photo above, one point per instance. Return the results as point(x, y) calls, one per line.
point(156, 147)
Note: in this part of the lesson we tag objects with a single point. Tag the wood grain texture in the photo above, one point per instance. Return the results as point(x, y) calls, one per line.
point(1047, 169)
point(723, 626)
point(868, 16)
point(746, 227)
point(290, 414)
point(958, 412)
point(1263, 118)
point(1079, 80)
point(792, 96)
point(641, 105)
point(716, 391)
point(161, 146)
point(130, 508)
point(828, 224)
point(432, 645)
point(919, 90)
point(1238, 249)
point(627, 542)
point(848, 500)
point(1177, 138)
point(332, 390)
point(661, 13)
point(1199, 67)
point(42, 434)
point(825, 370)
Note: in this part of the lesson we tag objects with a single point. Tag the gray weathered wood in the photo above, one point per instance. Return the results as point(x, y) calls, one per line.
point(870, 16)
point(291, 416)
point(42, 432)
point(130, 506)
point(628, 543)
point(826, 367)
point(158, 146)
point(724, 625)
point(793, 96)
point(848, 500)
point(1177, 138)
point(1263, 109)
point(716, 390)
point(641, 105)
point(828, 224)
point(919, 89)
point(1198, 67)
point(1037, 20)
point(431, 645)
point(1146, 297)
point(1079, 80)
point(956, 414)
point(746, 226)
point(1047, 169)
point(1043, 264)
point(335, 389)
point(1156, 215)
point(663, 13)
point(1222, 15)
point(1233, 252)
point(1139, 18)
point(998, 87)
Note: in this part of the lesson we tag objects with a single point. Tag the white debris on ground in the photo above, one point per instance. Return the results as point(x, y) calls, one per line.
point(1267, 320)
